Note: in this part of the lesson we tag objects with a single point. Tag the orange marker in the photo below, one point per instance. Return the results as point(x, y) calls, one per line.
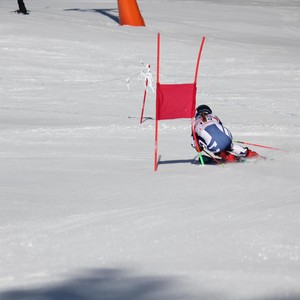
point(129, 13)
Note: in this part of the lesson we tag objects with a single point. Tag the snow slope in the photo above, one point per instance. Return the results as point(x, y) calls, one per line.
point(83, 215)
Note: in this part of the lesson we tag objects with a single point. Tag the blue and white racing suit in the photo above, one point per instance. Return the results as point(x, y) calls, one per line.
point(215, 137)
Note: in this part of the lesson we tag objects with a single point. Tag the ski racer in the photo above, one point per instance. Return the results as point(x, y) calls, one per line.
point(208, 133)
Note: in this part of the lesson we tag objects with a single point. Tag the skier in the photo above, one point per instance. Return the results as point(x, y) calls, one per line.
point(210, 134)
point(22, 9)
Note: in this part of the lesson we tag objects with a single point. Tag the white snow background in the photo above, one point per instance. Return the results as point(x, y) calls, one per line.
point(83, 215)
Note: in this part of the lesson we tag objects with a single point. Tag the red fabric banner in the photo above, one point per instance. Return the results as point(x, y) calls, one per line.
point(175, 101)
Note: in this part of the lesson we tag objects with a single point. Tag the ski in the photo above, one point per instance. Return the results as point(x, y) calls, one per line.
point(209, 160)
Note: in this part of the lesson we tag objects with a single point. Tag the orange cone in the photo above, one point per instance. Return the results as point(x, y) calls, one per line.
point(129, 13)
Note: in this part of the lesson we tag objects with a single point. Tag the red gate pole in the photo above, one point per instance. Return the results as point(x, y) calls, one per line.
point(195, 82)
point(198, 60)
point(157, 90)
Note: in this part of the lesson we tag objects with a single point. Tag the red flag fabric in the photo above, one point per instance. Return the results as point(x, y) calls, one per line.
point(175, 101)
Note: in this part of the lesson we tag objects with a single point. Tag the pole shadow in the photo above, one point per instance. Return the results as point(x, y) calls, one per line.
point(111, 13)
point(177, 161)
point(146, 119)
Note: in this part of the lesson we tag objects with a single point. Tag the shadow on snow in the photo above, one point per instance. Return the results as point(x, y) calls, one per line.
point(117, 284)
point(111, 13)
point(104, 284)
point(177, 161)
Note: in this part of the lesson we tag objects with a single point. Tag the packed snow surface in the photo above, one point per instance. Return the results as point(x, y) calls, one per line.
point(83, 214)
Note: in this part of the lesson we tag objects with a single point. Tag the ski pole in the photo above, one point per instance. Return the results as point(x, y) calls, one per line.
point(257, 145)
point(197, 146)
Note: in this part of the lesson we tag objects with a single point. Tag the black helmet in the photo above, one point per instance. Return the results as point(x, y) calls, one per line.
point(202, 109)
